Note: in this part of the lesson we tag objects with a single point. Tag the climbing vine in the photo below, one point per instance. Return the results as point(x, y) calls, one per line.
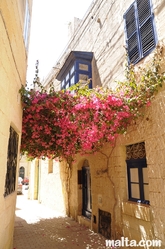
point(82, 120)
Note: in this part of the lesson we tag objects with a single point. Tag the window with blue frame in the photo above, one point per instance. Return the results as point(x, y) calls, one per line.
point(140, 30)
point(138, 183)
point(77, 68)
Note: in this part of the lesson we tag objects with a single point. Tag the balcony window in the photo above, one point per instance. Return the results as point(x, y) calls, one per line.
point(77, 68)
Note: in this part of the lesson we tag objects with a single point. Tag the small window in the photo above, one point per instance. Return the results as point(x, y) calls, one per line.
point(62, 84)
point(67, 86)
point(78, 72)
point(139, 30)
point(50, 166)
point(72, 70)
point(67, 77)
point(83, 67)
point(83, 78)
point(72, 81)
point(138, 183)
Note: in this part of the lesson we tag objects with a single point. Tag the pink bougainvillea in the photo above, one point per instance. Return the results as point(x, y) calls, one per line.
point(61, 124)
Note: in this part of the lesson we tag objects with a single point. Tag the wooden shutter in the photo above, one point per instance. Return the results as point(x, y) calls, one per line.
point(147, 34)
point(139, 28)
point(132, 35)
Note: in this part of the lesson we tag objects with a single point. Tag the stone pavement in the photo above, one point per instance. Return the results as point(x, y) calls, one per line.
point(37, 227)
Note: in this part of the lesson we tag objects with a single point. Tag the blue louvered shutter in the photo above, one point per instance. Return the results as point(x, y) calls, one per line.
point(132, 39)
point(146, 28)
point(139, 29)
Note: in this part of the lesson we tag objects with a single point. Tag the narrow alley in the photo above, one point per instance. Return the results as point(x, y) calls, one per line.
point(37, 227)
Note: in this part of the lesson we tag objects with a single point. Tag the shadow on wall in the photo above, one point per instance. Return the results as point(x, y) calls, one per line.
point(96, 81)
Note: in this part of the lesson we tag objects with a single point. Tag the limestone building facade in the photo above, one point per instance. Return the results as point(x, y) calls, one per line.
point(15, 17)
point(116, 192)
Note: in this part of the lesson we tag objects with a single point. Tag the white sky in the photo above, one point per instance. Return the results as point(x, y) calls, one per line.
point(49, 32)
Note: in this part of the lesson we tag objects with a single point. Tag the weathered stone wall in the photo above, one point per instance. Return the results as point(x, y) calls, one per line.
point(34, 173)
point(106, 183)
point(151, 130)
point(109, 180)
point(102, 32)
point(13, 63)
point(53, 186)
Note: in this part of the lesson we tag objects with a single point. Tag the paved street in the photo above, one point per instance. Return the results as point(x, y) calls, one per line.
point(37, 227)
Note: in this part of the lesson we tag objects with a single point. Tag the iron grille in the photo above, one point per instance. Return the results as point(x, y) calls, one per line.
point(135, 151)
point(105, 224)
point(11, 162)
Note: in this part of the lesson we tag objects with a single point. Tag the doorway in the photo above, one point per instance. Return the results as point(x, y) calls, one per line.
point(86, 193)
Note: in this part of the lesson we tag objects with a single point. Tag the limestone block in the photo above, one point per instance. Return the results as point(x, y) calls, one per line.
point(138, 211)
point(155, 171)
point(158, 221)
point(157, 199)
point(127, 208)
point(52, 186)
point(131, 233)
point(156, 185)
point(130, 222)
point(158, 228)
point(142, 212)
point(4, 77)
point(4, 105)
